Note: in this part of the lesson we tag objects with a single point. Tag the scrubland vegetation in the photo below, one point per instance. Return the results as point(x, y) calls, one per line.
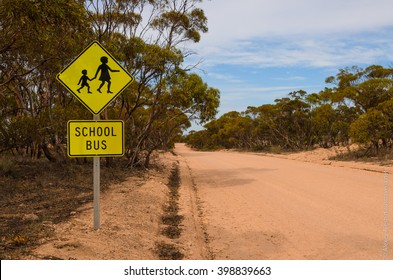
point(39, 38)
point(357, 107)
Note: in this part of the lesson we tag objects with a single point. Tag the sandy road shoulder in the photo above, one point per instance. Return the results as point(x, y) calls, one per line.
point(131, 224)
point(130, 217)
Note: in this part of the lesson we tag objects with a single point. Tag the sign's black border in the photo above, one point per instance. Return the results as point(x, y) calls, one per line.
point(76, 95)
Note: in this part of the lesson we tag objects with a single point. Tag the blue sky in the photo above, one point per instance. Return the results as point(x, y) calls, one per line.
point(260, 50)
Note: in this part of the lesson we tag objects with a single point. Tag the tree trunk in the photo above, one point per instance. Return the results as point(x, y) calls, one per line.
point(48, 153)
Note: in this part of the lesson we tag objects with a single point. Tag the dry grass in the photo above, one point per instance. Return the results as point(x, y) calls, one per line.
point(383, 156)
point(36, 194)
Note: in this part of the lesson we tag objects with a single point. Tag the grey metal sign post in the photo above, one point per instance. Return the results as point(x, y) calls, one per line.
point(96, 186)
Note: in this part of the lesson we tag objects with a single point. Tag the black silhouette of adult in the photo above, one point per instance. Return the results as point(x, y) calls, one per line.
point(104, 75)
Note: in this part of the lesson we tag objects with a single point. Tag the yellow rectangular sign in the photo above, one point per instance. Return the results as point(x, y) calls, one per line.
point(95, 138)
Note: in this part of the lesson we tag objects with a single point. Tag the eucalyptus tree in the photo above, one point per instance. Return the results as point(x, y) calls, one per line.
point(37, 37)
point(146, 36)
point(367, 94)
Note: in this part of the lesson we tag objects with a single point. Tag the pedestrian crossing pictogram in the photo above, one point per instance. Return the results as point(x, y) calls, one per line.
point(98, 91)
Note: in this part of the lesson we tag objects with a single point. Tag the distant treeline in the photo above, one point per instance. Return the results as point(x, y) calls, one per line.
point(357, 108)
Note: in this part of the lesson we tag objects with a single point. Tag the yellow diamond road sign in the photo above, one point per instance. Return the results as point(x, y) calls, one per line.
point(95, 138)
point(95, 78)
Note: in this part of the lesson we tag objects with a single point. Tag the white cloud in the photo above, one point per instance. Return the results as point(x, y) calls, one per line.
point(232, 19)
point(235, 91)
point(223, 77)
point(260, 50)
point(314, 33)
point(328, 52)
point(291, 78)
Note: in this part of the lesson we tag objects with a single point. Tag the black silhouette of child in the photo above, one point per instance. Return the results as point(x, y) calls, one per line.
point(104, 76)
point(84, 82)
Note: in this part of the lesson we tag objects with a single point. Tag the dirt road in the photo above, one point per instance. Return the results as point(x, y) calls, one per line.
point(258, 207)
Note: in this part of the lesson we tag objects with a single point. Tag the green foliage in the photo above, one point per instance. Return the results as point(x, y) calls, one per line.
point(373, 126)
point(39, 38)
point(359, 109)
